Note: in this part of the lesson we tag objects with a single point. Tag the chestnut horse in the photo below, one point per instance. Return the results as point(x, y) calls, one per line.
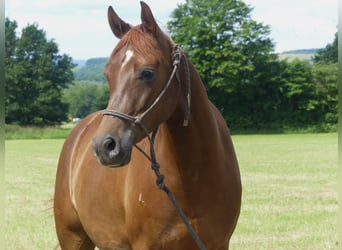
point(105, 193)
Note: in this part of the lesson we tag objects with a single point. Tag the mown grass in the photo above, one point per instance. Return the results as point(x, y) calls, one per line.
point(291, 57)
point(19, 132)
point(289, 194)
point(30, 167)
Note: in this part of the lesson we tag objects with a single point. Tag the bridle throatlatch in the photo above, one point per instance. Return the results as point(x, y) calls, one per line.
point(178, 58)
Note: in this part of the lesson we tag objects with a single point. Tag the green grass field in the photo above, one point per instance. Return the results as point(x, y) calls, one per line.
point(13, 132)
point(291, 57)
point(289, 192)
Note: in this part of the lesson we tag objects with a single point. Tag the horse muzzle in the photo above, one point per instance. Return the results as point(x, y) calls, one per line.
point(112, 151)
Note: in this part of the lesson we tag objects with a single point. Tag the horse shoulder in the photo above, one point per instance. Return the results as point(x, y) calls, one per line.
point(227, 155)
point(69, 150)
point(68, 226)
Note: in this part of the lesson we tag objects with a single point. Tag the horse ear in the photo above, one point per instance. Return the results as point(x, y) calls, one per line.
point(118, 26)
point(149, 24)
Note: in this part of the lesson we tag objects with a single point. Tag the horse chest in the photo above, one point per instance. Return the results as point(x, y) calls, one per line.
point(123, 208)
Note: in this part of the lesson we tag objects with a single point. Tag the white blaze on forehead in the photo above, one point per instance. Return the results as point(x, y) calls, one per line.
point(129, 55)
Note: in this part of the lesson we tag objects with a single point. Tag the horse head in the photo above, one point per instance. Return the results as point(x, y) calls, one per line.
point(144, 88)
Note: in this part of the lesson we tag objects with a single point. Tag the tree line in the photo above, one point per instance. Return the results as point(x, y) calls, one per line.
point(234, 55)
point(245, 78)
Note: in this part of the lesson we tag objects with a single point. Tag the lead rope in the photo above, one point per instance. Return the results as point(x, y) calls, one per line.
point(161, 185)
point(177, 58)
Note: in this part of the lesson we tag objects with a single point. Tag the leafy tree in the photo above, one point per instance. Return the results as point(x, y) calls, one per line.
point(10, 66)
point(10, 39)
point(326, 93)
point(233, 55)
point(35, 77)
point(86, 97)
point(297, 93)
point(308, 95)
point(325, 74)
point(329, 54)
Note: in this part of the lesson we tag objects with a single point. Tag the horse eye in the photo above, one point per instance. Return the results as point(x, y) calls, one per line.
point(146, 74)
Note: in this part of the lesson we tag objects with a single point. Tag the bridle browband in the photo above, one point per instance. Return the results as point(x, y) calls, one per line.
point(178, 58)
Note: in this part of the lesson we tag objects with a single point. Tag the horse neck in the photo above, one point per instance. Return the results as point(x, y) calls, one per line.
point(194, 139)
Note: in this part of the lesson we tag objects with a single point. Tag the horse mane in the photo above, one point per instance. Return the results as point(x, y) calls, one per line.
point(143, 43)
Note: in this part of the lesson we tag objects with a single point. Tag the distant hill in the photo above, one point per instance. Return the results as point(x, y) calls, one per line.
point(302, 54)
point(301, 51)
point(91, 70)
point(79, 63)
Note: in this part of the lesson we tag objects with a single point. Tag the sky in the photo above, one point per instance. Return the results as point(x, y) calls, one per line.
point(81, 30)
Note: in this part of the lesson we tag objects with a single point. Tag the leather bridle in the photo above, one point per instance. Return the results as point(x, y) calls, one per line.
point(178, 57)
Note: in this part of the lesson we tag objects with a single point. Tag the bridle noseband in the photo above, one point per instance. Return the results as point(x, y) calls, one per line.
point(178, 58)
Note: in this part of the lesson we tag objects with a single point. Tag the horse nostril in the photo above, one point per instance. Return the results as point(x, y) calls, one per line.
point(112, 151)
point(109, 144)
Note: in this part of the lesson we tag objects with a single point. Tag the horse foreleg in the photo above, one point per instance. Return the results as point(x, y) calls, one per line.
point(70, 232)
point(75, 242)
